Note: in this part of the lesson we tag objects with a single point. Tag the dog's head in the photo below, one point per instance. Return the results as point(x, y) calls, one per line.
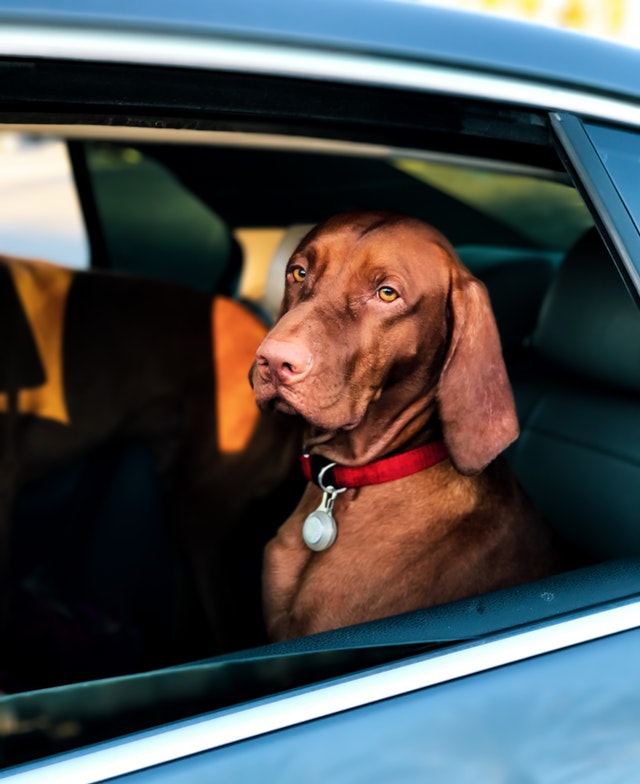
point(382, 326)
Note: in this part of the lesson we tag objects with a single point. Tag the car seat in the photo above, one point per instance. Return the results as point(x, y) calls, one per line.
point(154, 227)
point(578, 455)
point(274, 283)
point(517, 281)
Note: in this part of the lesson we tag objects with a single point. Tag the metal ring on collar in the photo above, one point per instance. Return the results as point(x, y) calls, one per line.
point(330, 489)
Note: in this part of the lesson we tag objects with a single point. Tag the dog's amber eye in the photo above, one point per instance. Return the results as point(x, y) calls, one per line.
point(298, 274)
point(387, 294)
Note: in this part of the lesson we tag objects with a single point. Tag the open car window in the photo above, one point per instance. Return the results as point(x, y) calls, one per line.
point(220, 218)
point(151, 211)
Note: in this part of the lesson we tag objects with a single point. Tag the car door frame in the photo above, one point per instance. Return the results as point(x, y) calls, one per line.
point(596, 183)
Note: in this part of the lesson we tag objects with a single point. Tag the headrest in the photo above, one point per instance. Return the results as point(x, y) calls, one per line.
point(274, 284)
point(589, 323)
point(155, 227)
point(516, 290)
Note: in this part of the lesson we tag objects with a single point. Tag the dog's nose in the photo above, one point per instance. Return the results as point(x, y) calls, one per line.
point(288, 362)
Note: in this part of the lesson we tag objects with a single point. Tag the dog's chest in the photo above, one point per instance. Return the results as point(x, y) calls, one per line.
point(374, 566)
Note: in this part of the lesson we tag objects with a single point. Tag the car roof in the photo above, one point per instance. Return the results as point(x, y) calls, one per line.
point(383, 28)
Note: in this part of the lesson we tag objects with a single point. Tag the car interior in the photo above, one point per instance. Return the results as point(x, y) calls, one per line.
point(92, 552)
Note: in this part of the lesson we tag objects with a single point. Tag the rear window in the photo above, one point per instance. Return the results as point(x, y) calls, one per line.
point(40, 216)
point(545, 211)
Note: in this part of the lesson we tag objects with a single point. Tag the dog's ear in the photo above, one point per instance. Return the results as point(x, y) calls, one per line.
point(475, 400)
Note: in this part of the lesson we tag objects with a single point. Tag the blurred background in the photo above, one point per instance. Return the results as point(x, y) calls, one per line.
point(618, 20)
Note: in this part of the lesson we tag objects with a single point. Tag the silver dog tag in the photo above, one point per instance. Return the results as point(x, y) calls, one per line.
point(319, 530)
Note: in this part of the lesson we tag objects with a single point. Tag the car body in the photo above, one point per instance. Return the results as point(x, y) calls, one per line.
point(256, 120)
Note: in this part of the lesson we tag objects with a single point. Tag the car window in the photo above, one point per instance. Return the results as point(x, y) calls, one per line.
point(162, 213)
point(545, 211)
point(40, 215)
point(177, 159)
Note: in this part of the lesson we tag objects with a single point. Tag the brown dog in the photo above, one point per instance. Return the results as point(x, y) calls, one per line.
point(92, 358)
point(386, 344)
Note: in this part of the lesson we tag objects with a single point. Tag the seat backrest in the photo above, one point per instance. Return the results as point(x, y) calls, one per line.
point(274, 283)
point(578, 401)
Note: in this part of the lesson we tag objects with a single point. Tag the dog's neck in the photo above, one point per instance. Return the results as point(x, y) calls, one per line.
point(385, 430)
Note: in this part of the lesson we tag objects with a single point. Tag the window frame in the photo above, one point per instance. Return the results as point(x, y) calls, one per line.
point(597, 185)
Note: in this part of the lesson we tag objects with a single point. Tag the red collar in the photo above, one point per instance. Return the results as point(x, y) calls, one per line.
point(385, 470)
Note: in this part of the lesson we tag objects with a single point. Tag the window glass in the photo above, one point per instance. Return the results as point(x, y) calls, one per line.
point(619, 150)
point(40, 216)
point(551, 214)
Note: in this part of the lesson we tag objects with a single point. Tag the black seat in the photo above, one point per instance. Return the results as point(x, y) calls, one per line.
point(578, 455)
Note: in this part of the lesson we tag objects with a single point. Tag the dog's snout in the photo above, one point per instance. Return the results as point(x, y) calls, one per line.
point(287, 362)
